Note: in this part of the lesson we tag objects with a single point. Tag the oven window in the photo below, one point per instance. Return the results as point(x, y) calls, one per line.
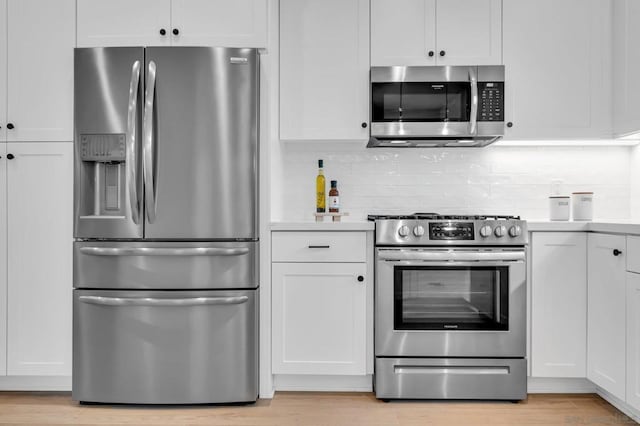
point(458, 101)
point(451, 298)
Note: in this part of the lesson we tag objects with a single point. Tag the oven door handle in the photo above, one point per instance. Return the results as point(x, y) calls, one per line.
point(451, 256)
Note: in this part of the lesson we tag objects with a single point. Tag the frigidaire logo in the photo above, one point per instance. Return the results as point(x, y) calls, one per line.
point(236, 60)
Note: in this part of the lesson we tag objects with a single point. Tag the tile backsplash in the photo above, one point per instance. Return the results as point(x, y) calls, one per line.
point(493, 180)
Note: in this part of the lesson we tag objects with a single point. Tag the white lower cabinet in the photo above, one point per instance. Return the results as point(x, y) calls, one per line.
point(606, 324)
point(633, 340)
point(39, 218)
point(558, 304)
point(319, 318)
point(322, 305)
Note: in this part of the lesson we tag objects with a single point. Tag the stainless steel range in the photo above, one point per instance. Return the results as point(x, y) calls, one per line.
point(450, 307)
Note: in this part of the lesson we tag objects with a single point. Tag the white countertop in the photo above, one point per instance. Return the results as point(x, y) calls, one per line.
point(322, 226)
point(615, 227)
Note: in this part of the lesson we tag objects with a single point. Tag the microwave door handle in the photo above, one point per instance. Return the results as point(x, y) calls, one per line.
point(473, 120)
point(147, 147)
point(132, 142)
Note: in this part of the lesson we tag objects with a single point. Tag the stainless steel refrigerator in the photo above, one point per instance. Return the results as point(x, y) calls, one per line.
point(165, 305)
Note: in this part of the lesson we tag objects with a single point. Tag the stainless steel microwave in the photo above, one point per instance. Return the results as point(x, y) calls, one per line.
point(453, 106)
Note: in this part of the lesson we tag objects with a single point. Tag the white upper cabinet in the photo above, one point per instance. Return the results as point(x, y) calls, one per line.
point(403, 32)
point(559, 304)
point(3, 77)
point(39, 70)
point(558, 69)
point(39, 263)
point(238, 23)
point(324, 69)
point(436, 32)
point(469, 32)
point(626, 67)
point(606, 313)
point(124, 23)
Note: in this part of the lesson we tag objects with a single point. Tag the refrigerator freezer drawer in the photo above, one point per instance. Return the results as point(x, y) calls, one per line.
point(160, 266)
point(160, 347)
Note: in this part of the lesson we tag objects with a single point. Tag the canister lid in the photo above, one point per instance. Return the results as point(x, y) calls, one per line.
point(559, 196)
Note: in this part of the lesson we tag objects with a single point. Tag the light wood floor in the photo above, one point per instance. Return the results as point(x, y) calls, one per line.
point(331, 409)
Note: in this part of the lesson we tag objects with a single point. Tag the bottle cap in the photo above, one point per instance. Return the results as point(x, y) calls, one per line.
point(334, 183)
point(320, 163)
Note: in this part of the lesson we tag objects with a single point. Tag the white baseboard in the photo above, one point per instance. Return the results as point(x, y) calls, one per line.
point(304, 382)
point(559, 385)
point(619, 404)
point(35, 383)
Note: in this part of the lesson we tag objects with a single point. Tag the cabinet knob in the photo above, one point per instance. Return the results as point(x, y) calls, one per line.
point(176, 31)
point(364, 125)
point(10, 157)
point(163, 31)
point(616, 252)
point(431, 53)
point(442, 53)
point(509, 124)
point(360, 278)
point(10, 126)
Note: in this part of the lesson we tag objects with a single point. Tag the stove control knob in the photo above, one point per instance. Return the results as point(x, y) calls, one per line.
point(485, 231)
point(500, 231)
point(418, 231)
point(404, 231)
point(515, 231)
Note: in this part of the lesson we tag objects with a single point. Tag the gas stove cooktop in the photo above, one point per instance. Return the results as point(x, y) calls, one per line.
point(428, 229)
point(437, 216)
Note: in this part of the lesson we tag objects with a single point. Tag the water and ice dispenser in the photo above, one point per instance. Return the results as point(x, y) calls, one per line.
point(103, 168)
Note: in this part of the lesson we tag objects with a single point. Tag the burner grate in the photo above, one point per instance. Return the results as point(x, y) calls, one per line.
point(436, 216)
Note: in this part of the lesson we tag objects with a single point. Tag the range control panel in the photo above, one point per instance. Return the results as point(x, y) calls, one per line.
point(491, 101)
point(451, 231)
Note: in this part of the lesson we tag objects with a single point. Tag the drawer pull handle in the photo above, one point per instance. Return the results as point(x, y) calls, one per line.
point(322, 247)
point(152, 251)
point(149, 301)
point(616, 252)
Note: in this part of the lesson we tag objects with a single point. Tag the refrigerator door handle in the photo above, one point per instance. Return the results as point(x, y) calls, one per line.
point(167, 251)
point(132, 135)
point(148, 157)
point(149, 301)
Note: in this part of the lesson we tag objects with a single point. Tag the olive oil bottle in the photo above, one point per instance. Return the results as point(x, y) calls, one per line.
point(321, 199)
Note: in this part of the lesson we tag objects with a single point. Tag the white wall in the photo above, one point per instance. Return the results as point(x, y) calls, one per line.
point(492, 180)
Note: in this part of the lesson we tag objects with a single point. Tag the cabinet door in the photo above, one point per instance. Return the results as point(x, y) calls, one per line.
point(469, 32)
point(40, 69)
point(324, 69)
point(559, 304)
point(633, 340)
point(319, 318)
point(39, 223)
point(558, 76)
point(3, 258)
point(103, 23)
point(237, 23)
point(403, 32)
point(3, 73)
point(626, 67)
point(606, 336)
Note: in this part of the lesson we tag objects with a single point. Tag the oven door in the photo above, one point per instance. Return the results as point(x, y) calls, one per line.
point(450, 302)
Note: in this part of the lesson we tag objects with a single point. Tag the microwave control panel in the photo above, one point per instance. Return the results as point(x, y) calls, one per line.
point(491, 101)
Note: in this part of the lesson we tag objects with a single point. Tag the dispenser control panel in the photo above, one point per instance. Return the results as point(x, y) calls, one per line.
point(103, 148)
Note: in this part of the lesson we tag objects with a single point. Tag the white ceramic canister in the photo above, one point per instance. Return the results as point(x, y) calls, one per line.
point(559, 207)
point(582, 205)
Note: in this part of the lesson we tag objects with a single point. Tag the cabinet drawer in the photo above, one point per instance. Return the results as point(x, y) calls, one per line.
point(319, 247)
point(633, 254)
